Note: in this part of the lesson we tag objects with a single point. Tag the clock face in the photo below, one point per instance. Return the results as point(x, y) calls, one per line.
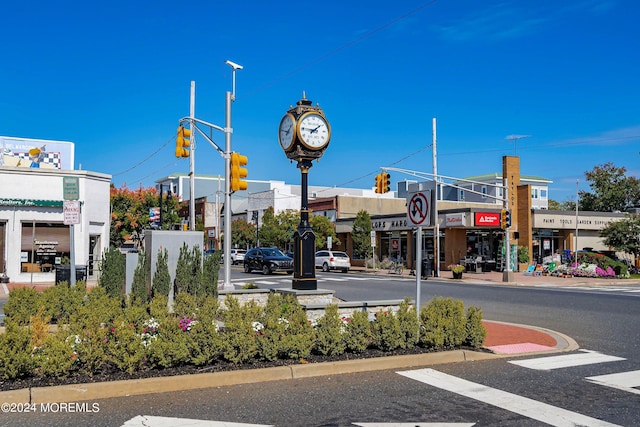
point(314, 131)
point(287, 131)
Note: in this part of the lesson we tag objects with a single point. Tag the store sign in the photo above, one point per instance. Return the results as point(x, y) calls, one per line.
point(46, 247)
point(455, 220)
point(31, 203)
point(487, 219)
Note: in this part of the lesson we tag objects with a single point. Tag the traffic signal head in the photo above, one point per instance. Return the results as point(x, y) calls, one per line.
point(386, 185)
point(505, 217)
point(238, 172)
point(379, 183)
point(183, 143)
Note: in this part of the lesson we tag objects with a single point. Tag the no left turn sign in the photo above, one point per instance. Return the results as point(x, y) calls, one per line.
point(418, 208)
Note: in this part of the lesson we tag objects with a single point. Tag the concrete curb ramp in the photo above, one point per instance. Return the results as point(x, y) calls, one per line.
point(103, 390)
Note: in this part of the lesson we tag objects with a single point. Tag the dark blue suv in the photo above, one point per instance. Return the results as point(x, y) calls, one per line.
point(267, 260)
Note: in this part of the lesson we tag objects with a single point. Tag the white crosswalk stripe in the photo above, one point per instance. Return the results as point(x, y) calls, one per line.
point(524, 406)
point(626, 381)
point(586, 357)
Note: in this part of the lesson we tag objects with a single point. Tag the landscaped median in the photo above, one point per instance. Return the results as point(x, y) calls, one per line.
point(120, 388)
point(100, 340)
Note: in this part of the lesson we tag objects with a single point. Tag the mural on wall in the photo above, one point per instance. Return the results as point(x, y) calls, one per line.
point(34, 153)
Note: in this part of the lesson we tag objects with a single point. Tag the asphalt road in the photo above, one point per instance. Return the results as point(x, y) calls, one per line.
point(603, 324)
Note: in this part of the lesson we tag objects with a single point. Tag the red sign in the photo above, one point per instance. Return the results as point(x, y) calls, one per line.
point(487, 219)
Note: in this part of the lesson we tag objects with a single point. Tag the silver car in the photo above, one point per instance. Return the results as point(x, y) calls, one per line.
point(333, 260)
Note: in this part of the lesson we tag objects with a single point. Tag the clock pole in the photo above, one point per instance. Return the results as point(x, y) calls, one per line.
point(304, 269)
point(304, 135)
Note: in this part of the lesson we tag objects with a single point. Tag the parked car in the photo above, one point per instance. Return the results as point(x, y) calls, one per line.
point(333, 260)
point(267, 260)
point(237, 256)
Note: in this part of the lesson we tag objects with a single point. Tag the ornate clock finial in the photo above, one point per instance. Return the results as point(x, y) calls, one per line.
point(304, 100)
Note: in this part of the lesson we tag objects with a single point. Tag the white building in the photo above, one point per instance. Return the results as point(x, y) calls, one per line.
point(33, 236)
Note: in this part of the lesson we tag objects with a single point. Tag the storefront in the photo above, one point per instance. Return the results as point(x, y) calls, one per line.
point(34, 238)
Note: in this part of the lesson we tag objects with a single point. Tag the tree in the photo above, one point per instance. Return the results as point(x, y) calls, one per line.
point(612, 190)
point(623, 235)
point(112, 277)
point(361, 235)
point(139, 285)
point(243, 234)
point(323, 228)
point(130, 212)
point(270, 229)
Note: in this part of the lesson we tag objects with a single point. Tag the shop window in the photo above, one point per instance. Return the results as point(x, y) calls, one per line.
point(43, 246)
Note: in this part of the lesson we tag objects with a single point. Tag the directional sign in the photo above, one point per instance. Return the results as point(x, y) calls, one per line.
point(418, 208)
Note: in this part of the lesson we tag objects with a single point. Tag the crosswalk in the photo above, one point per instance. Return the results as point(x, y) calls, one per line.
point(633, 290)
point(628, 381)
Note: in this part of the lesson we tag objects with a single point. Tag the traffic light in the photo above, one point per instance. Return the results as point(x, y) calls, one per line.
point(505, 217)
point(183, 143)
point(238, 172)
point(379, 183)
point(385, 184)
point(382, 183)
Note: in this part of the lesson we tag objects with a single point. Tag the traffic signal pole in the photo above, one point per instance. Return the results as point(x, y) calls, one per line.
point(227, 193)
point(192, 161)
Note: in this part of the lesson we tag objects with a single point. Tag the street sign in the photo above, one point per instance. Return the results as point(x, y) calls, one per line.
point(418, 208)
point(70, 188)
point(71, 210)
point(373, 239)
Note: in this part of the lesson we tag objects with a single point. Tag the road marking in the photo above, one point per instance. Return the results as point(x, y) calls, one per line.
point(151, 421)
point(524, 406)
point(627, 381)
point(587, 357)
point(414, 424)
point(334, 279)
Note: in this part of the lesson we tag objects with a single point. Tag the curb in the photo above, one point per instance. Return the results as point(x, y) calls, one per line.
point(123, 388)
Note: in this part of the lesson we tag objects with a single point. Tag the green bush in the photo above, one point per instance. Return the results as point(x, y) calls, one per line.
point(15, 352)
point(171, 348)
point(240, 330)
point(210, 273)
point(206, 340)
point(161, 278)
point(112, 275)
point(124, 346)
point(476, 333)
point(56, 357)
point(139, 284)
point(443, 323)
point(358, 335)
point(330, 330)
point(409, 324)
point(62, 300)
point(22, 303)
point(387, 334)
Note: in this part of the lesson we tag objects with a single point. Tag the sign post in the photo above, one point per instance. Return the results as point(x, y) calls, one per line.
point(71, 213)
point(419, 215)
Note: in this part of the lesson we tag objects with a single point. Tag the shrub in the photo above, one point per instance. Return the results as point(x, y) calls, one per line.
point(330, 330)
point(358, 334)
point(62, 300)
point(476, 333)
point(139, 283)
point(240, 338)
point(113, 268)
point(56, 357)
point(15, 352)
point(161, 278)
point(285, 332)
point(125, 346)
point(387, 334)
point(443, 323)
point(171, 348)
point(210, 272)
point(409, 324)
point(22, 303)
point(206, 342)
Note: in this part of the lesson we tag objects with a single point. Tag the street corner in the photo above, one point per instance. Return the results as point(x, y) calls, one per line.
point(514, 339)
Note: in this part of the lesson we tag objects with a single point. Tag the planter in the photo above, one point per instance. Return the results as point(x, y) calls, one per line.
point(457, 275)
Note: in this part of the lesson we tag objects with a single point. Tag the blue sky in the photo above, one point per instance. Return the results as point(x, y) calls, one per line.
point(114, 78)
